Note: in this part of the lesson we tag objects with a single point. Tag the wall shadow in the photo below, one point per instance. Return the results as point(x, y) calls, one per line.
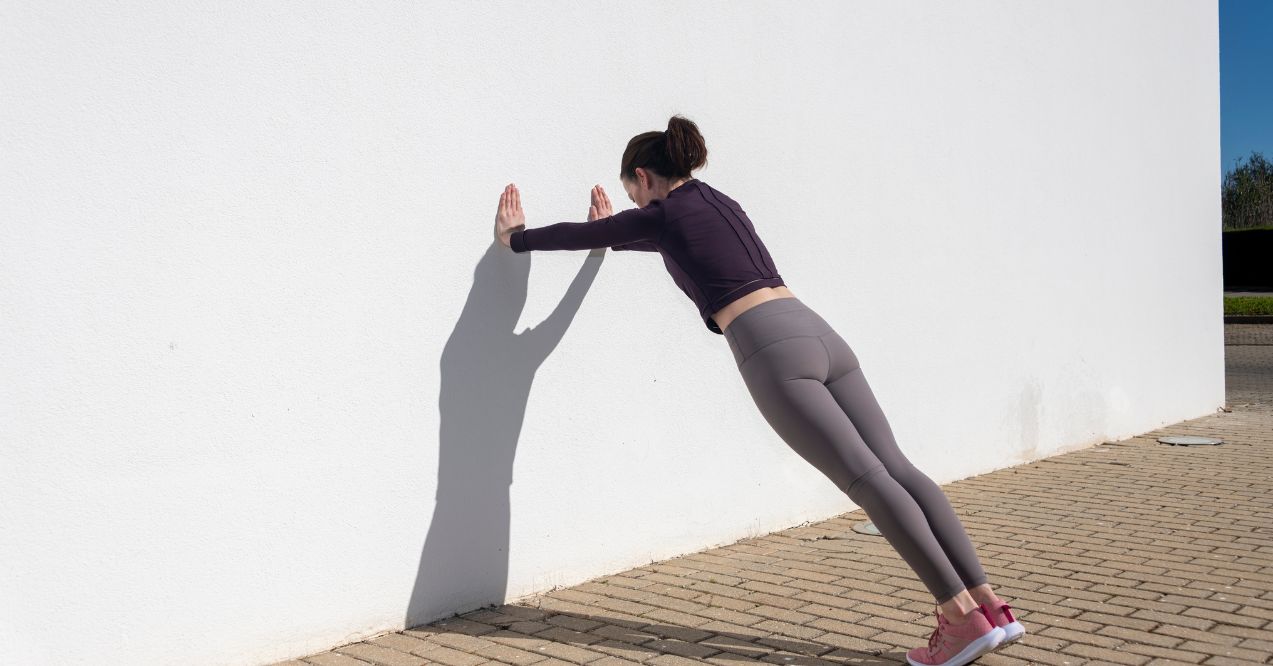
point(486, 372)
point(643, 640)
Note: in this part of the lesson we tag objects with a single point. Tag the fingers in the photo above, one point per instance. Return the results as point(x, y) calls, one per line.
point(600, 200)
point(510, 202)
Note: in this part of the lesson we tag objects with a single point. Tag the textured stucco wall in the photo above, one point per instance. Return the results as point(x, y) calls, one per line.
point(267, 380)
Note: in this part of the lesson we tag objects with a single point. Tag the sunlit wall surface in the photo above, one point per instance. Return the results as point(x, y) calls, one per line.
point(270, 386)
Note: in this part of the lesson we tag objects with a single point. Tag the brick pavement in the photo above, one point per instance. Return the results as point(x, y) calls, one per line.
point(1131, 552)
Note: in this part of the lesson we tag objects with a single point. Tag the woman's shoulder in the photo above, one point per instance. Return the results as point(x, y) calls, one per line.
point(713, 198)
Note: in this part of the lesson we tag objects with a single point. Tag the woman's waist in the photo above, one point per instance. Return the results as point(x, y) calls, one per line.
point(773, 320)
point(726, 314)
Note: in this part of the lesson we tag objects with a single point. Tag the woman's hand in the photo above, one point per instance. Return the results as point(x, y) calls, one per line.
point(509, 216)
point(600, 205)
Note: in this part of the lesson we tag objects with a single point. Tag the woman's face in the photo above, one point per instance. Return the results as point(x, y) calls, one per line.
point(631, 188)
point(637, 194)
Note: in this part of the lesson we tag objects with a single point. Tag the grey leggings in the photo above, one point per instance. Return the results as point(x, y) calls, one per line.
point(810, 388)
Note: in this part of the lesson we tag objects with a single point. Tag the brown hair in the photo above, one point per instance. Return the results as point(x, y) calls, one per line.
point(672, 153)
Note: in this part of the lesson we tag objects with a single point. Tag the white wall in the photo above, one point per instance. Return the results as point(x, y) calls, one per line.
point(266, 379)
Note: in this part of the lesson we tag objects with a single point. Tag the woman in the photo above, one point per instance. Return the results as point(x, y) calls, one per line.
point(802, 375)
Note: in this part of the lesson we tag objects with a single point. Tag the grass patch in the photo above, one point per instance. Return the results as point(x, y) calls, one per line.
point(1260, 228)
point(1248, 305)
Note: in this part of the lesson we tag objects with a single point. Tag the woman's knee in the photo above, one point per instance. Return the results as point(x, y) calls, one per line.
point(856, 486)
point(906, 472)
point(915, 481)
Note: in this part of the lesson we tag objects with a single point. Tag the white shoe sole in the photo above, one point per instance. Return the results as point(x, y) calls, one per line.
point(1013, 631)
point(971, 651)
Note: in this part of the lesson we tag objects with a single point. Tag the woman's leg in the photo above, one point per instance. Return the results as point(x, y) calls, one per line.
point(786, 381)
point(849, 388)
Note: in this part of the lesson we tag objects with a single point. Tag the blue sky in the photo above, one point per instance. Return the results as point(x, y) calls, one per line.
point(1246, 80)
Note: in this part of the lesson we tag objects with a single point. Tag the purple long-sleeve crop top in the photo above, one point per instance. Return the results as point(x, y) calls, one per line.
point(709, 246)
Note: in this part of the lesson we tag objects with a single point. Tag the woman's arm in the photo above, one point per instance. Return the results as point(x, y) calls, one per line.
point(634, 229)
point(639, 246)
point(628, 226)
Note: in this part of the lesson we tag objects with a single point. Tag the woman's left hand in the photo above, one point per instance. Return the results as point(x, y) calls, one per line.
point(600, 204)
point(509, 216)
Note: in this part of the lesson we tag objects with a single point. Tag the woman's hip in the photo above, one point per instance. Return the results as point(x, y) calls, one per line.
point(772, 321)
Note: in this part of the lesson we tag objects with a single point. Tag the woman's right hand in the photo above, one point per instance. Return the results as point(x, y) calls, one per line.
point(600, 205)
point(509, 216)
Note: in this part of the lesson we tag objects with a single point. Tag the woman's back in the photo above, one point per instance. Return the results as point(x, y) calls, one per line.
point(711, 248)
point(709, 245)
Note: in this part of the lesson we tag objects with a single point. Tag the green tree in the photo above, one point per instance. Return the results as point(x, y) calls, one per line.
point(1247, 195)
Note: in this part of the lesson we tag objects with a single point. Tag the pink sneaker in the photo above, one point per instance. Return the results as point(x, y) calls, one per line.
point(1001, 616)
point(957, 644)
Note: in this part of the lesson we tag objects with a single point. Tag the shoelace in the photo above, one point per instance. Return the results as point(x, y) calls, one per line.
point(939, 632)
point(943, 624)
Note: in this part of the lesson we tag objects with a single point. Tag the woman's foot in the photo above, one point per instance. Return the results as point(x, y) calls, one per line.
point(957, 643)
point(1000, 615)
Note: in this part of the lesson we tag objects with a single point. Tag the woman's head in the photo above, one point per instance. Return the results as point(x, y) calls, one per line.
point(656, 162)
